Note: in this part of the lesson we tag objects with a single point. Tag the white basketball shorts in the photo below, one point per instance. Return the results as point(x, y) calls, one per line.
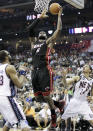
point(11, 111)
point(78, 107)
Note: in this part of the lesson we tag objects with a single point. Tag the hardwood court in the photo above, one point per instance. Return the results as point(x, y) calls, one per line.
point(11, 129)
point(19, 130)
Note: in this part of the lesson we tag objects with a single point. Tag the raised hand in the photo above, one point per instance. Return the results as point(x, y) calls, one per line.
point(60, 11)
point(43, 14)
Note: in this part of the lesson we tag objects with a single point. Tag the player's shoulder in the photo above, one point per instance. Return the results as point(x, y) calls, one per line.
point(10, 68)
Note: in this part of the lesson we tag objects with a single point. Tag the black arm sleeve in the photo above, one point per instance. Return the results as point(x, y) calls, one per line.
point(32, 26)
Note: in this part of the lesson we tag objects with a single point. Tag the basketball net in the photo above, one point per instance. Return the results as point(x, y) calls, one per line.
point(41, 5)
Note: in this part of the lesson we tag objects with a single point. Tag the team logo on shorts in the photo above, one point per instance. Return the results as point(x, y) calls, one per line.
point(47, 88)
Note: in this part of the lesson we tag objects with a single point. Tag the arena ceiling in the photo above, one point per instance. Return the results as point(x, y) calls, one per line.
point(13, 15)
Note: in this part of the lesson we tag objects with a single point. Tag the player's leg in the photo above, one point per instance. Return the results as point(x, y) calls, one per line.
point(46, 83)
point(24, 126)
point(5, 128)
point(38, 120)
point(13, 114)
point(20, 116)
point(86, 110)
point(91, 122)
point(60, 105)
point(36, 85)
point(50, 102)
point(48, 87)
point(4, 111)
point(68, 124)
point(45, 121)
point(39, 97)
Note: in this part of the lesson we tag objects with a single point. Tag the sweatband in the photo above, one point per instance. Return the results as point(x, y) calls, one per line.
point(22, 72)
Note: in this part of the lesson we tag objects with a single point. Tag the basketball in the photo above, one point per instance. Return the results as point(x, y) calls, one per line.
point(54, 8)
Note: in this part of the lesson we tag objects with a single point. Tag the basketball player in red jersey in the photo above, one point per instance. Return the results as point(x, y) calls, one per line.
point(9, 108)
point(42, 75)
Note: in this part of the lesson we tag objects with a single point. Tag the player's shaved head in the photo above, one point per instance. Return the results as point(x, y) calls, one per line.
point(3, 55)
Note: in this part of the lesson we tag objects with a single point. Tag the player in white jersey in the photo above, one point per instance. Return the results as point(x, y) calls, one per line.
point(78, 105)
point(9, 108)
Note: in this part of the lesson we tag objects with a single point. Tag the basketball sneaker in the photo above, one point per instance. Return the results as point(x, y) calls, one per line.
point(53, 123)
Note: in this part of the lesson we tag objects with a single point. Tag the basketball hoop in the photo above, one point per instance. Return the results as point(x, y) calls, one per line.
point(40, 5)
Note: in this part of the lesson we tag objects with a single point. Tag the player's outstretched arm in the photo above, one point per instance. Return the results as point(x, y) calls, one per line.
point(33, 25)
point(72, 80)
point(12, 73)
point(68, 81)
point(64, 73)
point(50, 41)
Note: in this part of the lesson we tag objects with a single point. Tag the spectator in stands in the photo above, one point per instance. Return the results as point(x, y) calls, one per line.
point(43, 116)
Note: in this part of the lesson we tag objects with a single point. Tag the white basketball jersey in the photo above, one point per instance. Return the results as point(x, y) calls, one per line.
point(82, 88)
point(6, 85)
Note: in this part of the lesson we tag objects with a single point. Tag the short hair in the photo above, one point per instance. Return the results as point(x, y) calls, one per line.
point(89, 67)
point(3, 54)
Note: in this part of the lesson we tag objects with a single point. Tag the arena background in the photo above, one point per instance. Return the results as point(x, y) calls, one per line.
point(76, 37)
